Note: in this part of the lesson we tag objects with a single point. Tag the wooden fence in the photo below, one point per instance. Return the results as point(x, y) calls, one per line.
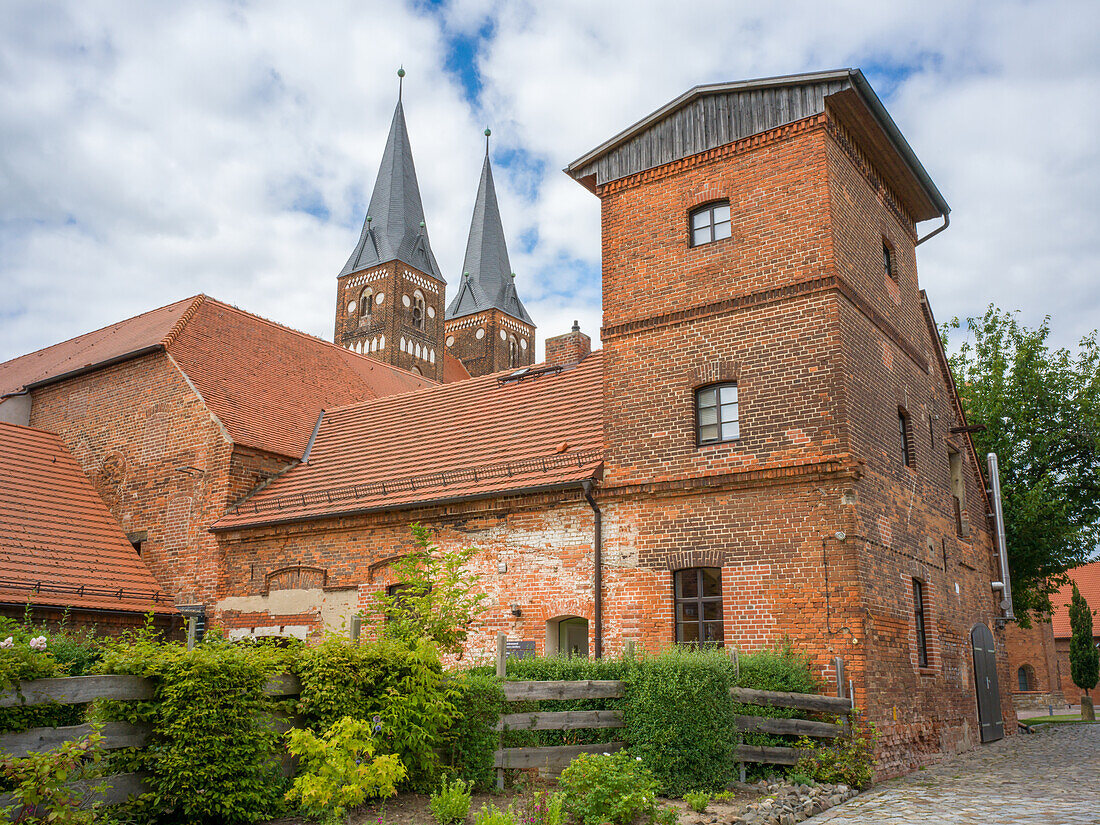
point(78, 690)
point(555, 758)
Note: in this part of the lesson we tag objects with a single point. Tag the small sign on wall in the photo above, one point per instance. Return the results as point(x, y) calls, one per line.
point(521, 649)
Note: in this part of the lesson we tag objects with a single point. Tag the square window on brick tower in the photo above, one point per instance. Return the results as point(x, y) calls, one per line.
point(698, 598)
point(919, 619)
point(709, 223)
point(716, 414)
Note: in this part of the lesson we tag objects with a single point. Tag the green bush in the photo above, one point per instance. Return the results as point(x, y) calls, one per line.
point(472, 737)
point(849, 759)
point(697, 800)
point(41, 782)
point(451, 803)
point(338, 770)
point(403, 685)
point(212, 750)
point(777, 668)
point(492, 815)
point(538, 808)
point(679, 718)
point(616, 788)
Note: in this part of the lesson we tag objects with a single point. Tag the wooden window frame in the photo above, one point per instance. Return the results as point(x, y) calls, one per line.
point(699, 600)
point(920, 620)
point(709, 209)
point(718, 387)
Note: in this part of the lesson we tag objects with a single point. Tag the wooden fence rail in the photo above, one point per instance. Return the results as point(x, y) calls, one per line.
point(79, 690)
point(808, 702)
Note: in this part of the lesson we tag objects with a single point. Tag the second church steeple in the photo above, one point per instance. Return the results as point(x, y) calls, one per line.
point(487, 326)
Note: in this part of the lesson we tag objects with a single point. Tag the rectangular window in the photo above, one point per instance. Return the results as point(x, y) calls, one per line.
point(716, 414)
point(698, 604)
point(903, 433)
point(888, 261)
point(918, 616)
point(710, 223)
point(954, 458)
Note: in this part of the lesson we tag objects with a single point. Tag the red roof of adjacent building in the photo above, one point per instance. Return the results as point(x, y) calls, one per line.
point(59, 545)
point(1087, 577)
point(265, 382)
point(477, 438)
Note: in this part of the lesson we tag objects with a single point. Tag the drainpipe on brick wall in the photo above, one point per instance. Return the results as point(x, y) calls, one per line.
point(597, 564)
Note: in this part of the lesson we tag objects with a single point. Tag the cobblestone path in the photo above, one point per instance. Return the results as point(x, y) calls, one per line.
point(1049, 778)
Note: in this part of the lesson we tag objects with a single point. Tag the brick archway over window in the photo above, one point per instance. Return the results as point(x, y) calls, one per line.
point(298, 577)
point(694, 558)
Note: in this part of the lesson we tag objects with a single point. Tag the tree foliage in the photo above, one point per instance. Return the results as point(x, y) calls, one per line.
point(1084, 658)
point(437, 597)
point(1041, 411)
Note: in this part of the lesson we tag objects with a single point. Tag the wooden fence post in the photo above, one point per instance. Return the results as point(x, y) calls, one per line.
point(502, 671)
point(736, 664)
point(628, 649)
point(356, 628)
point(838, 663)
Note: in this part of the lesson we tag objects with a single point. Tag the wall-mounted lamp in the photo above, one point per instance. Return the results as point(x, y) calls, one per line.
point(998, 586)
point(515, 610)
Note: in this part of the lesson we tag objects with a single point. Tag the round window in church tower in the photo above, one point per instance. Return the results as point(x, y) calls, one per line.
point(479, 334)
point(351, 308)
point(503, 335)
point(379, 299)
point(523, 343)
point(431, 312)
point(450, 340)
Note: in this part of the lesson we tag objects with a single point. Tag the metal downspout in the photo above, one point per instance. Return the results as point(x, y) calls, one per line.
point(935, 232)
point(597, 564)
point(999, 527)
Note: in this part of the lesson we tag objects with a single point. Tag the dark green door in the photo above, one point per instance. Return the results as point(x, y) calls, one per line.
point(986, 685)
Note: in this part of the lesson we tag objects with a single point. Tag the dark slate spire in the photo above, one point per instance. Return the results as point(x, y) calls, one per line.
point(394, 228)
point(487, 280)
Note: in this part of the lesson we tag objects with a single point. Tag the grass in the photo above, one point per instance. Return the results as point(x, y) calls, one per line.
point(1065, 718)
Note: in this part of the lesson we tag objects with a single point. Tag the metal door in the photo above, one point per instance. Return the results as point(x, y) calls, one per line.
point(986, 685)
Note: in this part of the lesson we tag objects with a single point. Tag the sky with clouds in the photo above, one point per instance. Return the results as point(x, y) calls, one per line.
point(152, 151)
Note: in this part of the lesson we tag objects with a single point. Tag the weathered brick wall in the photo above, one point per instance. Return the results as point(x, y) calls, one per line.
point(161, 462)
point(1034, 648)
point(391, 319)
point(906, 517)
point(1071, 692)
point(481, 341)
point(570, 348)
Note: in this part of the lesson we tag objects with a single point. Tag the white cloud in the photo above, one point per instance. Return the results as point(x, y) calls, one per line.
point(148, 152)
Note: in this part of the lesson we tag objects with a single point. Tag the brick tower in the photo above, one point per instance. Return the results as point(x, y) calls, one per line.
point(487, 327)
point(389, 295)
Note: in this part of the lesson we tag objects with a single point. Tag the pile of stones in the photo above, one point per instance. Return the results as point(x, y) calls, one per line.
point(787, 804)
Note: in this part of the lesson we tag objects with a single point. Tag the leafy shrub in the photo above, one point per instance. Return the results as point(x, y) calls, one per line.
point(666, 816)
point(402, 684)
point(211, 753)
point(492, 815)
point(679, 718)
point(451, 803)
point(338, 770)
point(848, 759)
point(472, 738)
point(438, 599)
point(777, 668)
point(614, 788)
point(795, 778)
point(41, 790)
point(697, 800)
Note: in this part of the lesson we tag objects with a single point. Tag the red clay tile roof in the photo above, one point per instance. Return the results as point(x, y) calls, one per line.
point(265, 382)
point(474, 438)
point(453, 369)
point(56, 532)
point(1087, 577)
point(142, 332)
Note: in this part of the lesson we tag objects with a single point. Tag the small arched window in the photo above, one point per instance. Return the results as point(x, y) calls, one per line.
point(716, 414)
point(1026, 677)
point(366, 304)
point(513, 351)
point(709, 223)
point(417, 309)
point(903, 435)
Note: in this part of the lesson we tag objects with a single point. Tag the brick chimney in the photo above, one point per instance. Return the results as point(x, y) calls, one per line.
point(571, 348)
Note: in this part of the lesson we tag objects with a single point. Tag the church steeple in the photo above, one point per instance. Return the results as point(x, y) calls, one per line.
point(487, 324)
point(389, 295)
point(394, 228)
point(487, 279)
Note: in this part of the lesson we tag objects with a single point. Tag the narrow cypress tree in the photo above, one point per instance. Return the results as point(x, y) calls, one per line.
point(1084, 658)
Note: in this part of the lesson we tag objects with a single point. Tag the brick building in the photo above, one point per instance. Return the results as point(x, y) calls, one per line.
point(65, 557)
point(1038, 657)
point(768, 445)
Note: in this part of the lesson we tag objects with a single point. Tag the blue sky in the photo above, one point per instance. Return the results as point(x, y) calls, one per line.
point(151, 152)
